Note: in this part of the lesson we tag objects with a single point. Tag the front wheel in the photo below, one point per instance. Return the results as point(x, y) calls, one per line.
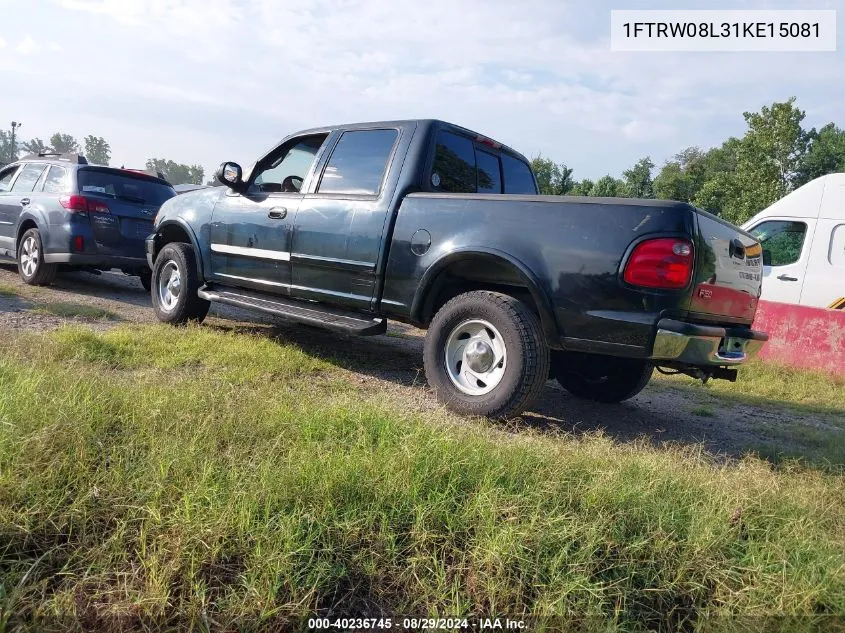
point(485, 354)
point(31, 265)
point(600, 378)
point(174, 286)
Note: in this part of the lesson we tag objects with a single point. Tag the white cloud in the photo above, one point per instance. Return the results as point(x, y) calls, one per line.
point(2, 43)
point(236, 75)
point(27, 46)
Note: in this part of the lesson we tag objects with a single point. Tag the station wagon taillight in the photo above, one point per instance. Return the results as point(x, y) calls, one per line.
point(75, 202)
point(664, 262)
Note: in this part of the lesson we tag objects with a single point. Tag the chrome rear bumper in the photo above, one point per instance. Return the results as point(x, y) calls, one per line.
point(704, 345)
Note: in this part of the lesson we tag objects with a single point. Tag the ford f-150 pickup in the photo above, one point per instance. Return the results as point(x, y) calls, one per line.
point(432, 224)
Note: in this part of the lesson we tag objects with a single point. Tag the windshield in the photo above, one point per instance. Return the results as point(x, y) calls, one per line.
point(126, 188)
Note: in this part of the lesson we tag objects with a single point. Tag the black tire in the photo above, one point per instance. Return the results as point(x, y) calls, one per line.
point(186, 305)
point(600, 378)
point(35, 272)
point(524, 370)
point(146, 278)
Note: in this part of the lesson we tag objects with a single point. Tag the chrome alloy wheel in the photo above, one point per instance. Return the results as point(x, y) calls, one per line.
point(30, 257)
point(476, 357)
point(169, 286)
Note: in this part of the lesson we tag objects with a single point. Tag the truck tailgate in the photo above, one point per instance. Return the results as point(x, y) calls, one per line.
point(729, 270)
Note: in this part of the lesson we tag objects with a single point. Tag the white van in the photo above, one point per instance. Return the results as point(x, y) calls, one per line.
point(803, 239)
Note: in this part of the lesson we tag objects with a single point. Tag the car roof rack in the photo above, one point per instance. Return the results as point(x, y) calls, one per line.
point(76, 159)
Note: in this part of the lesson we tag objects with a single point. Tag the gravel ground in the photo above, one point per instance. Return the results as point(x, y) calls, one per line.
point(392, 364)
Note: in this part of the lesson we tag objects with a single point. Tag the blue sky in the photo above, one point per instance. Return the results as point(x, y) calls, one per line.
point(202, 81)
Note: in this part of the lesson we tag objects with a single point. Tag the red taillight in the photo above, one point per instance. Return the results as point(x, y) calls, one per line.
point(78, 243)
point(82, 204)
point(664, 262)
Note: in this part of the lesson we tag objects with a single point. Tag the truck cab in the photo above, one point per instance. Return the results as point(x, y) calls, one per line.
point(803, 240)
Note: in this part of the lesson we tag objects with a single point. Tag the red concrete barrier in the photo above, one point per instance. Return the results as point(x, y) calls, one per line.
point(800, 336)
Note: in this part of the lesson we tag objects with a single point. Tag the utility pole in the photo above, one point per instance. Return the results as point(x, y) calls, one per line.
point(13, 151)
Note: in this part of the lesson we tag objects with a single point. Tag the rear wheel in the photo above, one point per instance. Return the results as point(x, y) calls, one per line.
point(600, 378)
point(485, 354)
point(31, 265)
point(174, 286)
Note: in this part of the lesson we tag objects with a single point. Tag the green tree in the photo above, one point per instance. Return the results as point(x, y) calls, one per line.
point(682, 177)
point(35, 146)
point(177, 173)
point(64, 143)
point(606, 187)
point(583, 188)
point(97, 150)
point(825, 154)
point(554, 179)
point(637, 182)
point(767, 160)
point(8, 153)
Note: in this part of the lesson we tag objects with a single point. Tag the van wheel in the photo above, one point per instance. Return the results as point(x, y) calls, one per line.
point(31, 265)
point(174, 286)
point(600, 378)
point(485, 354)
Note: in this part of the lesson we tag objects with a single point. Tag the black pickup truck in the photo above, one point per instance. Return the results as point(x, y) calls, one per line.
point(432, 224)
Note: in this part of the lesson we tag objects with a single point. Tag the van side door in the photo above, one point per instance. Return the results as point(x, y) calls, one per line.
point(786, 252)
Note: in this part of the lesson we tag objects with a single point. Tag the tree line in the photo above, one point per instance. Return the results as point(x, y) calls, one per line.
point(735, 180)
point(96, 150)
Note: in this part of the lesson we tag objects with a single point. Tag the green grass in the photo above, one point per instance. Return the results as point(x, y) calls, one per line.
point(704, 412)
point(158, 477)
point(760, 384)
point(8, 291)
point(67, 309)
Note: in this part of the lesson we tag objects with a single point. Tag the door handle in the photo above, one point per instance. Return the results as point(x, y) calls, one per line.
point(277, 213)
point(787, 278)
point(24, 202)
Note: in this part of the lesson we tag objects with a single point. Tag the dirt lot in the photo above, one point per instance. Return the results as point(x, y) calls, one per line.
point(664, 411)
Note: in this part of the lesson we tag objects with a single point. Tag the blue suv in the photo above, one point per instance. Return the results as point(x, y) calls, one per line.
point(57, 209)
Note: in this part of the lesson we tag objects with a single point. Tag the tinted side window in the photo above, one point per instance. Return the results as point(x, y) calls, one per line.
point(518, 178)
point(56, 181)
point(489, 178)
point(358, 162)
point(6, 176)
point(454, 164)
point(782, 241)
point(28, 177)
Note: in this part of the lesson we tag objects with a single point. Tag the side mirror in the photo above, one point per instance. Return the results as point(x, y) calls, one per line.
point(231, 175)
point(767, 257)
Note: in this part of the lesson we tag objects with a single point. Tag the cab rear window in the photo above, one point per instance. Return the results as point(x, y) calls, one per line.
point(518, 176)
point(462, 167)
point(124, 187)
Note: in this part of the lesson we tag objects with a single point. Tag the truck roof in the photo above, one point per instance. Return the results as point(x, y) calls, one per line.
point(428, 123)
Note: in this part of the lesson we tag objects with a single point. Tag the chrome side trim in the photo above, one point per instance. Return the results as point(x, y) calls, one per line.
point(259, 253)
point(276, 284)
point(334, 262)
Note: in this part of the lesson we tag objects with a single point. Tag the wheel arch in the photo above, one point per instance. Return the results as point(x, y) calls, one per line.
point(481, 268)
point(26, 222)
point(176, 230)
